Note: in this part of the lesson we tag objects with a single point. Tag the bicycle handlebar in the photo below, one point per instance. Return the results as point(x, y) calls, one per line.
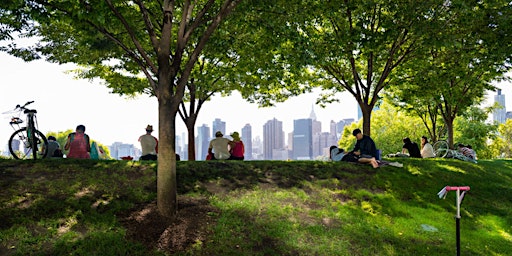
point(26, 104)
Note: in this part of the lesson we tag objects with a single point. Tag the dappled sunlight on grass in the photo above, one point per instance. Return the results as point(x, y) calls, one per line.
point(264, 207)
point(84, 192)
point(450, 168)
point(67, 225)
point(496, 224)
point(414, 170)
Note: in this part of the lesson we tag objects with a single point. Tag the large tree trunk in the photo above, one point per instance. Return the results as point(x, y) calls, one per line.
point(367, 115)
point(191, 139)
point(166, 170)
point(449, 129)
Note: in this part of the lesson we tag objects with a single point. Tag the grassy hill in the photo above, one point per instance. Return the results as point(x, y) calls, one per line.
point(73, 207)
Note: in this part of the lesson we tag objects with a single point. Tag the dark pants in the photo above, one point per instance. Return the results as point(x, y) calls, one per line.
point(148, 157)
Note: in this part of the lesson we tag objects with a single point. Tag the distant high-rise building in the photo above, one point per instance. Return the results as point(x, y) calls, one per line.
point(302, 139)
point(509, 115)
point(323, 141)
point(119, 149)
point(316, 125)
point(15, 145)
point(257, 149)
point(289, 139)
point(218, 125)
point(332, 129)
point(273, 138)
point(202, 142)
point(184, 146)
point(247, 139)
point(499, 115)
point(341, 124)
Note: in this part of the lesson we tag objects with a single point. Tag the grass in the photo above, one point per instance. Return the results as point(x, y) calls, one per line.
point(72, 207)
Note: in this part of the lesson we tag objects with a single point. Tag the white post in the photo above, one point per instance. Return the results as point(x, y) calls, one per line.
point(457, 198)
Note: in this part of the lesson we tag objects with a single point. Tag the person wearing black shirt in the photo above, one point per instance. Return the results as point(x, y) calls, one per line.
point(411, 147)
point(365, 149)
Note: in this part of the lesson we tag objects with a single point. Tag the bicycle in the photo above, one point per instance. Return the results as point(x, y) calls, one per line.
point(26, 142)
point(442, 150)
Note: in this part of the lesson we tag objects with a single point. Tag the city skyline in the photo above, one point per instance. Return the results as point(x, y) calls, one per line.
point(63, 102)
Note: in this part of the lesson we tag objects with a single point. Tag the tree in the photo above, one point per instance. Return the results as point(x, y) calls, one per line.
point(454, 72)
point(356, 45)
point(389, 126)
point(474, 130)
point(501, 146)
point(134, 46)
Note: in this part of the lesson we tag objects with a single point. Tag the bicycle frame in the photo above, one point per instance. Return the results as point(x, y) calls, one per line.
point(26, 142)
point(31, 131)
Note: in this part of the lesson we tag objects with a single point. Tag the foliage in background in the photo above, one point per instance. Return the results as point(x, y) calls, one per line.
point(473, 129)
point(501, 146)
point(453, 72)
point(389, 125)
point(355, 46)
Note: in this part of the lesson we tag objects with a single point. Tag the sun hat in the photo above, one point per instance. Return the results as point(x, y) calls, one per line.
point(149, 128)
point(219, 134)
point(235, 135)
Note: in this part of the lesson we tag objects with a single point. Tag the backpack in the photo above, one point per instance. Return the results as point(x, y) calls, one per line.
point(58, 153)
point(350, 157)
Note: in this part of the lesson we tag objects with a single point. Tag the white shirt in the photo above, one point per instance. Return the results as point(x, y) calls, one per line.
point(220, 148)
point(148, 144)
point(427, 151)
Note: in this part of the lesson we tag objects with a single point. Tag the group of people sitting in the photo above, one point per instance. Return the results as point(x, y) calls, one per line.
point(427, 151)
point(364, 152)
point(221, 148)
point(412, 149)
point(77, 144)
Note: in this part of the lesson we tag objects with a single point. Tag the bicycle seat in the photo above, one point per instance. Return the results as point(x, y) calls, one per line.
point(30, 111)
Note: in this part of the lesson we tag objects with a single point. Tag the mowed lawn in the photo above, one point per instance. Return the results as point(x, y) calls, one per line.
point(89, 207)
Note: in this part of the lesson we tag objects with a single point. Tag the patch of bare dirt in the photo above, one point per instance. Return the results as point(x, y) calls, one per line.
point(192, 225)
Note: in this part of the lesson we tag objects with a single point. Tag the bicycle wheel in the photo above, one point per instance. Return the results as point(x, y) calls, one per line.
point(441, 148)
point(20, 145)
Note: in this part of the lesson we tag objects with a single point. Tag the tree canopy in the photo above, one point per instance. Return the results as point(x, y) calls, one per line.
point(440, 52)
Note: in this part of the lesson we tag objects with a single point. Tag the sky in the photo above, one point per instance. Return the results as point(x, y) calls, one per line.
point(64, 102)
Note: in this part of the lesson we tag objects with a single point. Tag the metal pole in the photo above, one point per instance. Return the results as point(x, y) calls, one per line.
point(457, 226)
point(457, 222)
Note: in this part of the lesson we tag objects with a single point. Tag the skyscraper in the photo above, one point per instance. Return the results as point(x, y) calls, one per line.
point(202, 142)
point(273, 138)
point(499, 115)
point(218, 125)
point(302, 139)
point(119, 149)
point(247, 139)
point(316, 125)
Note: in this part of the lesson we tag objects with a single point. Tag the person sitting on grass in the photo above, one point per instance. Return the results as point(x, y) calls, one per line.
point(411, 148)
point(427, 151)
point(365, 149)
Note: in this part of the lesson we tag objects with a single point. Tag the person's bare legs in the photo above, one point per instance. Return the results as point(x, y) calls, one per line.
point(371, 161)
